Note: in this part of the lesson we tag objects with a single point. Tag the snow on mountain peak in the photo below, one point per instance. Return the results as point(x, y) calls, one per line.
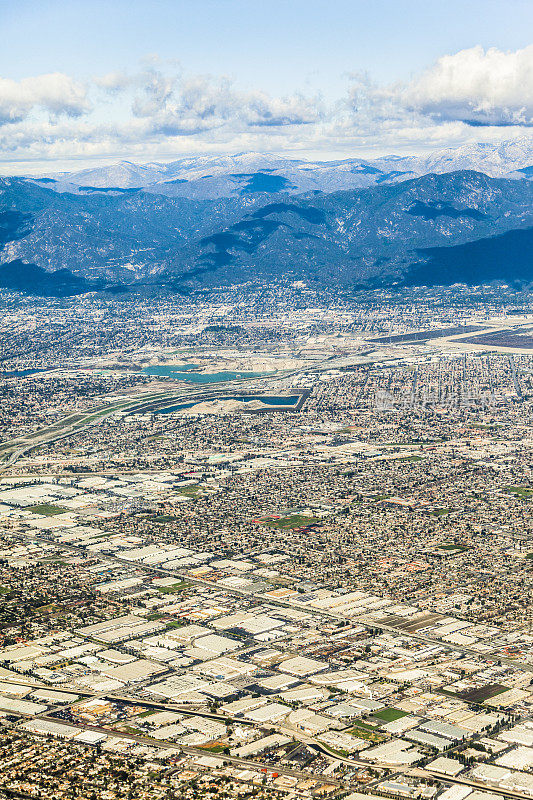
point(206, 176)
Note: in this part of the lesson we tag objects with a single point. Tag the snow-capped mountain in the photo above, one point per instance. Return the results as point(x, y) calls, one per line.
point(125, 175)
point(197, 220)
point(209, 178)
point(213, 177)
point(505, 159)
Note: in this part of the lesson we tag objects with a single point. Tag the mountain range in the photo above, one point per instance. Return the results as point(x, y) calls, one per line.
point(456, 216)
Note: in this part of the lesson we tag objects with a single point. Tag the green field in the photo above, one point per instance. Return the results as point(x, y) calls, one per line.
point(189, 491)
point(292, 521)
point(458, 548)
point(524, 492)
point(389, 714)
point(46, 510)
point(335, 751)
point(174, 624)
point(362, 731)
point(174, 588)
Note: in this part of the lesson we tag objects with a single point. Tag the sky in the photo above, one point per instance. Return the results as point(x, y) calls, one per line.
point(84, 82)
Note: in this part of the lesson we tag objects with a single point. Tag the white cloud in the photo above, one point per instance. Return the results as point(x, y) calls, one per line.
point(56, 93)
point(162, 112)
point(113, 82)
point(477, 86)
point(149, 109)
point(192, 104)
point(265, 111)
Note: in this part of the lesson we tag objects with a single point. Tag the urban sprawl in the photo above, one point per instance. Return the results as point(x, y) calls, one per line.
point(269, 542)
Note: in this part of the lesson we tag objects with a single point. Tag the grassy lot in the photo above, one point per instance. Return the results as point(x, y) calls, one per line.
point(524, 492)
point(189, 491)
point(291, 522)
point(336, 751)
point(161, 518)
point(410, 458)
point(48, 609)
point(483, 693)
point(46, 510)
point(131, 729)
point(362, 731)
point(174, 624)
point(174, 588)
point(458, 548)
point(5, 589)
point(439, 512)
point(389, 714)
point(213, 748)
point(367, 726)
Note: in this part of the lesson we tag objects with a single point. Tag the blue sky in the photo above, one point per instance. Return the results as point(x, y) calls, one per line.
point(86, 80)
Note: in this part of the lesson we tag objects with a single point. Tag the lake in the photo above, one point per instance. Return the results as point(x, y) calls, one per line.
point(290, 400)
point(21, 373)
point(184, 372)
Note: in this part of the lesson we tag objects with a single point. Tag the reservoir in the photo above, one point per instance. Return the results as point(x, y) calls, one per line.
point(185, 372)
point(290, 400)
point(21, 373)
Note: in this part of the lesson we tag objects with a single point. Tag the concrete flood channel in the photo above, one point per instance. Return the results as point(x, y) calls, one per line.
point(292, 401)
point(165, 402)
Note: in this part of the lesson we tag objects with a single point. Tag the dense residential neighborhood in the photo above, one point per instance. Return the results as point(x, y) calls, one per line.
point(277, 544)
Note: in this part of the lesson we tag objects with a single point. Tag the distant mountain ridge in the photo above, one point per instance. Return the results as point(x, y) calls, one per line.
point(396, 232)
point(209, 178)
